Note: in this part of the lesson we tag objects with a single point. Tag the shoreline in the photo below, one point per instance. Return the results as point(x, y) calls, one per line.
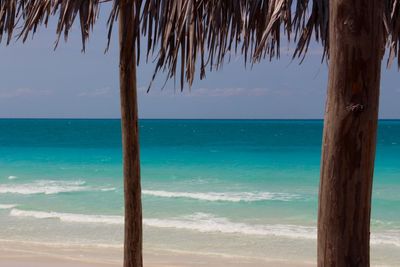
point(26, 254)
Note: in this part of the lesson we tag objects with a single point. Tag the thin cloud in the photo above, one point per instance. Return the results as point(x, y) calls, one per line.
point(22, 92)
point(100, 92)
point(229, 92)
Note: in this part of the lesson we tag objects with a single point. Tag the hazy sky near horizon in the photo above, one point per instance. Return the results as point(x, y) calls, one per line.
point(38, 82)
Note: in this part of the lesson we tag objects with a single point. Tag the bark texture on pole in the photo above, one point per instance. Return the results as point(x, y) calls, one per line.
point(130, 137)
point(356, 49)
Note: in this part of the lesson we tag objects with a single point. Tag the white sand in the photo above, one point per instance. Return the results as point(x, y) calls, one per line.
point(18, 254)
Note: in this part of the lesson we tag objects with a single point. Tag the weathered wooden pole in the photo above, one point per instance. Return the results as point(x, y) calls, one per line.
point(130, 137)
point(356, 49)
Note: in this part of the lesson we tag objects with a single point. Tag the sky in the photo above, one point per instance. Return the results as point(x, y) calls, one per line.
point(38, 82)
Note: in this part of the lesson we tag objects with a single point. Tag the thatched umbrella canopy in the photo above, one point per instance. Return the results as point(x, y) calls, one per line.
point(184, 35)
point(209, 29)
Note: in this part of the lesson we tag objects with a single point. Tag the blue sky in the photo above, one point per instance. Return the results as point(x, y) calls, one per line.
point(38, 82)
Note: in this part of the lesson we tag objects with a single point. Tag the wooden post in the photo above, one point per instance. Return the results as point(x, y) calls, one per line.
point(130, 137)
point(356, 49)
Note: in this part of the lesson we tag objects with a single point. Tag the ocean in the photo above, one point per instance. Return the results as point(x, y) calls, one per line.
point(243, 188)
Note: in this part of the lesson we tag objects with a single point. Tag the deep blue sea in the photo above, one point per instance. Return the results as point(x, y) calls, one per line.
point(227, 187)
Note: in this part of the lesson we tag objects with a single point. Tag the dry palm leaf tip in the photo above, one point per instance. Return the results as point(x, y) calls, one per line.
point(205, 30)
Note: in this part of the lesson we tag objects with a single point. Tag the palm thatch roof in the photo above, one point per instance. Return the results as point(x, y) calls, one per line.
point(203, 32)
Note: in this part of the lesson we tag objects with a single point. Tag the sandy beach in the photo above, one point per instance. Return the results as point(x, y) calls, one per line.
point(18, 254)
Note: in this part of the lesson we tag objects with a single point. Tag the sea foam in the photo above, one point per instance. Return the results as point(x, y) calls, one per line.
point(7, 206)
point(48, 187)
point(207, 223)
point(200, 222)
point(68, 217)
point(224, 196)
point(390, 237)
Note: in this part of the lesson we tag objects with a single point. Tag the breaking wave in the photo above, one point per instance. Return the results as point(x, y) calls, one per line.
point(224, 196)
point(7, 206)
point(207, 223)
point(68, 217)
point(48, 187)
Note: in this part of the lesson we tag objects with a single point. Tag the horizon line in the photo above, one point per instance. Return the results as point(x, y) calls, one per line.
point(91, 118)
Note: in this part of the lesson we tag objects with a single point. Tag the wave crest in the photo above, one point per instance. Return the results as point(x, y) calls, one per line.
point(47, 187)
point(207, 223)
point(391, 237)
point(68, 217)
point(7, 206)
point(224, 196)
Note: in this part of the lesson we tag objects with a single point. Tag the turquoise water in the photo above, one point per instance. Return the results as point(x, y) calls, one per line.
point(223, 186)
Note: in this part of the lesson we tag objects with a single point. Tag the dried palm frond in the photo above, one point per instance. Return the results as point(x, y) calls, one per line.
point(38, 12)
point(184, 35)
point(211, 30)
point(10, 11)
point(392, 25)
